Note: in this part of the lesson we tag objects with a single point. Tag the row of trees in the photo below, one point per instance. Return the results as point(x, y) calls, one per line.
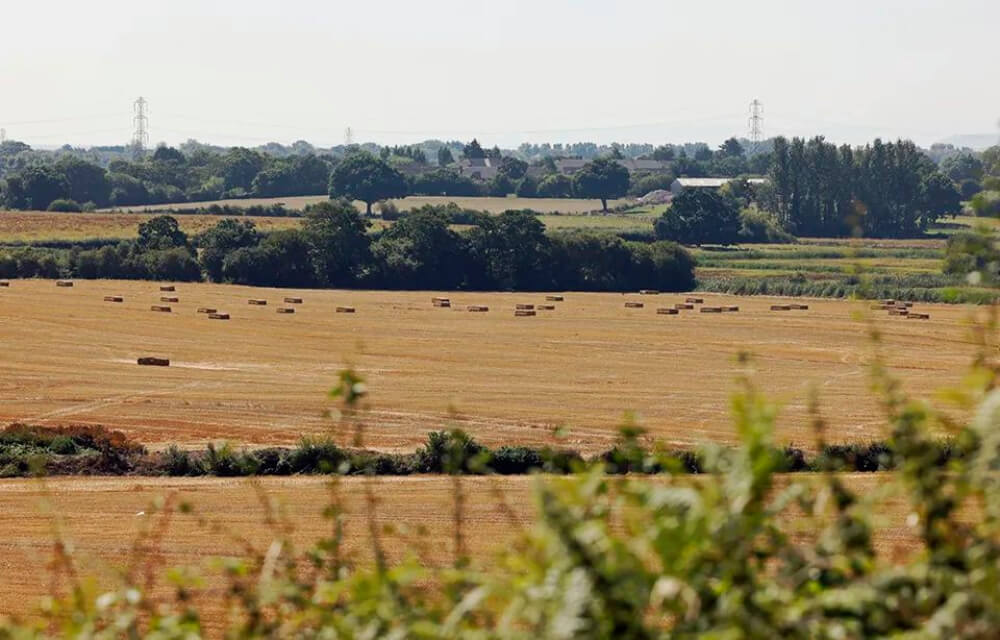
point(335, 249)
point(882, 189)
point(169, 176)
point(362, 176)
point(166, 176)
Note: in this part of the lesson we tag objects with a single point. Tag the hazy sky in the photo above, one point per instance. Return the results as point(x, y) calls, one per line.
point(506, 71)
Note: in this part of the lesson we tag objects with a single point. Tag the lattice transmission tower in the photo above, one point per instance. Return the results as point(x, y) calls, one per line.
point(756, 125)
point(140, 138)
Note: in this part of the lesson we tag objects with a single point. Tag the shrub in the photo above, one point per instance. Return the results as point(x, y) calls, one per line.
point(223, 461)
point(452, 452)
point(63, 445)
point(316, 456)
point(177, 462)
point(762, 227)
point(986, 204)
point(388, 210)
point(64, 205)
point(516, 460)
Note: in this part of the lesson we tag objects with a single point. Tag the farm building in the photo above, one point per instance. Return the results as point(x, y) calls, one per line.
point(681, 184)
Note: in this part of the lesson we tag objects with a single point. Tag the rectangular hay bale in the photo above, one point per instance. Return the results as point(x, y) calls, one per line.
point(257, 302)
point(114, 299)
point(4, 283)
point(711, 310)
point(546, 307)
point(918, 316)
point(442, 304)
point(475, 308)
point(524, 313)
point(207, 310)
point(291, 300)
point(648, 292)
point(667, 311)
point(286, 310)
point(731, 308)
point(899, 312)
point(634, 305)
point(554, 298)
point(218, 316)
point(781, 307)
point(525, 307)
point(167, 287)
point(694, 300)
point(799, 307)
point(169, 299)
point(154, 362)
point(64, 283)
point(680, 306)
point(345, 309)
point(160, 308)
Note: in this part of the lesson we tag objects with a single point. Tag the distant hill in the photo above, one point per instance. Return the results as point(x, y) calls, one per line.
point(977, 141)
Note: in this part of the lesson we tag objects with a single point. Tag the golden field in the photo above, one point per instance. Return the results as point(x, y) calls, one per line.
point(262, 378)
point(45, 226)
point(415, 516)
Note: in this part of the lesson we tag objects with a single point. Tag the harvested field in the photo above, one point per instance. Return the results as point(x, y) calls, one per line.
point(46, 226)
point(493, 205)
point(87, 505)
point(260, 379)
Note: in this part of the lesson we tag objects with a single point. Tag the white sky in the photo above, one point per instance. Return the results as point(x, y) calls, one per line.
point(506, 71)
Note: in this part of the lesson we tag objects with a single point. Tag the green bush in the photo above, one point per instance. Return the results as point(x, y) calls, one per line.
point(762, 227)
point(452, 452)
point(63, 445)
point(316, 456)
point(64, 205)
point(177, 462)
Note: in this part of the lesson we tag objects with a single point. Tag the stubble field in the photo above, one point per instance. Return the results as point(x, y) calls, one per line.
point(415, 516)
point(261, 378)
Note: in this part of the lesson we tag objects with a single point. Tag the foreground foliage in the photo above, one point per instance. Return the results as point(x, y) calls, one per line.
point(632, 557)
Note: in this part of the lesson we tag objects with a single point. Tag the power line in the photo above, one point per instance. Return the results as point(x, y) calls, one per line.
point(68, 119)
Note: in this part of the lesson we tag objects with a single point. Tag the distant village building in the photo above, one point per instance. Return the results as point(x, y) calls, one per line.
point(683, 184)
point(478, 168)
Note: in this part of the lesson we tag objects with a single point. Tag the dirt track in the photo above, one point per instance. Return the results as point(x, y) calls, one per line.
point(262, 377)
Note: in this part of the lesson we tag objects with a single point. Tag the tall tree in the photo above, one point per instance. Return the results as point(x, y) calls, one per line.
point(362, 176)
point(513, 168)
point(940, 195)
point(700, 216)
point(445, 157)
point(602, 178)
point(732, 148)
point(339, 242)
point(473, 151)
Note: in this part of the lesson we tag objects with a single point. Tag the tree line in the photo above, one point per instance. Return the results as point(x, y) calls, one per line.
point(334, 248)
point(881, 189)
